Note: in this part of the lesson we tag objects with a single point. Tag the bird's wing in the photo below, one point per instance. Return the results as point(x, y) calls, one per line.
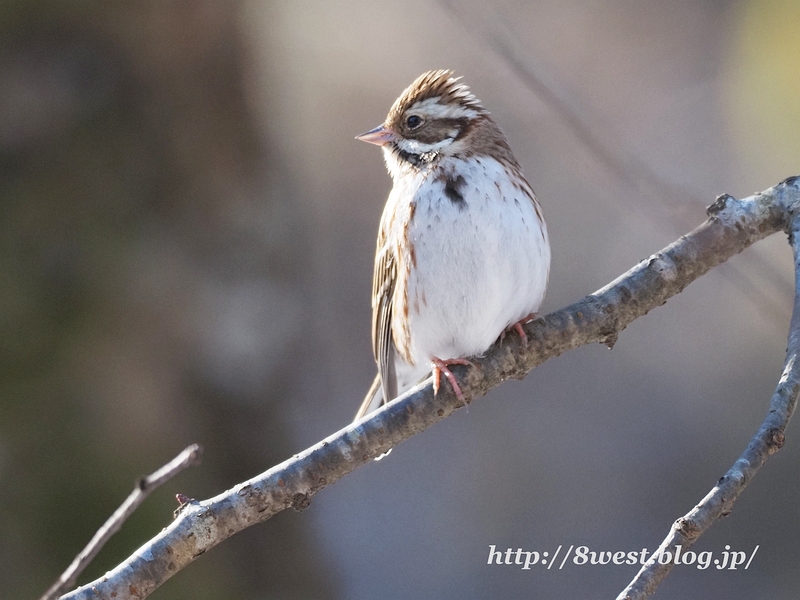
point(384, 388)
point(383, 285)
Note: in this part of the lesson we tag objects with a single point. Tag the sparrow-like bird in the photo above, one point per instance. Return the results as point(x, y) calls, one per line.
point(463, 254)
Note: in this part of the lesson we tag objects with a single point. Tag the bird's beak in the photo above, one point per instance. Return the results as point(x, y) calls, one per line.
point(380, 136)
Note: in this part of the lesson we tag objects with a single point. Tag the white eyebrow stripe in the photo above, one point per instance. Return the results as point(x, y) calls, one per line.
point(430, 108)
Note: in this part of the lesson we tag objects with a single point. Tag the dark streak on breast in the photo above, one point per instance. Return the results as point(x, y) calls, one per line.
point(412, 254)
point(452, 189)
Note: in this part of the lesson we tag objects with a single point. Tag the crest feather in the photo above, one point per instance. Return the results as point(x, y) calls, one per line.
point(439, 83)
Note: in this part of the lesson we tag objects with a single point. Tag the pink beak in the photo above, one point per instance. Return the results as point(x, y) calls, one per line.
point(380, 136)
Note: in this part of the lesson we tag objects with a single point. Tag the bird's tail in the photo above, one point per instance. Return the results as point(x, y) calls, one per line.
point(373, 400)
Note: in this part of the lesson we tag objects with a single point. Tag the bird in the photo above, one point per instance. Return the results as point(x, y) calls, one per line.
point(463, 254)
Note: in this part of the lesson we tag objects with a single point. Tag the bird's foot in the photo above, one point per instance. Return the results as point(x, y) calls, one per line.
point(440, 368)
point(518, 328)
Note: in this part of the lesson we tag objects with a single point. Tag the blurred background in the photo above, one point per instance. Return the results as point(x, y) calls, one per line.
point(187, 230)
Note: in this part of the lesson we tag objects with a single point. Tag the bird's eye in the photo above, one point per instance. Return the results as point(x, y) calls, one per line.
point(413, 121)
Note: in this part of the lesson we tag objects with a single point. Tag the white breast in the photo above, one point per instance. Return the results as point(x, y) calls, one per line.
point(480, 261)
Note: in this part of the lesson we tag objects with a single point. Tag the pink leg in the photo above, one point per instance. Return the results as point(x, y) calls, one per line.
point(440, 367)
point(518, 328)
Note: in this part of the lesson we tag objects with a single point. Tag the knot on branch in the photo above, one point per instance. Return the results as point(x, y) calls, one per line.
point(183, 502)
point(791, 207)
point(719, 204)
point(195, 454)
point(687, 528)
point(790, 180)
point(775, 440)
point(300, 502)
point(610, 339)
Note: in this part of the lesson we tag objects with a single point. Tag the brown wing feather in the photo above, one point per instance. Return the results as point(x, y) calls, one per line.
point(383, 285)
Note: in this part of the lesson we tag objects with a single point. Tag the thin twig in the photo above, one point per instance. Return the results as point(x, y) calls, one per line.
point(144, 487)
point(768, 440)
point(733, 225)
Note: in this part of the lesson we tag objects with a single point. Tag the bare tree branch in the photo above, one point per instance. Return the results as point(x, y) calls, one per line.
point(189, 457)
point(733, 225)
point(766, 442)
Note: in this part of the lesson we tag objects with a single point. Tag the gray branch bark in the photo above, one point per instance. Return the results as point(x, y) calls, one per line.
point(766, 442)
point(189, 457)
point(732, 226)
